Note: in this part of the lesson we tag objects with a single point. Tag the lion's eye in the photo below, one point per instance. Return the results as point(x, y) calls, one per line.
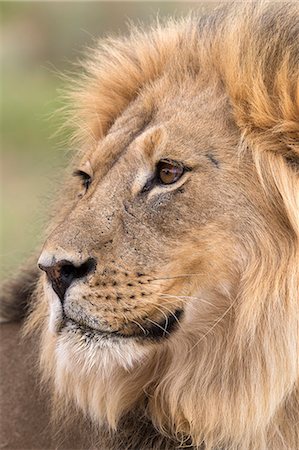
point(86, 179)
point(168, 172)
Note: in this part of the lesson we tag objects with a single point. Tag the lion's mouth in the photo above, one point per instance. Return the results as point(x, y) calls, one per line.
point(156, 331)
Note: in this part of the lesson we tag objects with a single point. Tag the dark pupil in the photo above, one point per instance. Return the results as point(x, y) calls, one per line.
point(169, 173)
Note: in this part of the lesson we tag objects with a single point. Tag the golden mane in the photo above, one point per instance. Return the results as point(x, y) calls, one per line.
point(246, 377)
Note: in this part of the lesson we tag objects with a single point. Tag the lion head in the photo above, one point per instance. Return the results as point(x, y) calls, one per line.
point(170, 270)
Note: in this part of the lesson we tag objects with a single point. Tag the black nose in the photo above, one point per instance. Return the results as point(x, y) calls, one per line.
point(63, 273)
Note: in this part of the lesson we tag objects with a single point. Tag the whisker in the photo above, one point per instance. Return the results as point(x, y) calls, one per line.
point(167, 309)
point(157, 307)
point(166, 318)
point(184, 275)
point(141, 327)
point(215, 324)
point(183, 297)
point(158, 325)
point(170, 312)
point(169, 301)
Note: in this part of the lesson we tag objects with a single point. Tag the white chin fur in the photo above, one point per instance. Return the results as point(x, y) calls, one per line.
point(103, 355)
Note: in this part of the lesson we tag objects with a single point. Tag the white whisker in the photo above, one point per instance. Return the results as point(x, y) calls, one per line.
point(215, 324)
point(186, 297)
point(158, 325)
point(184, 275)
point(138, 324)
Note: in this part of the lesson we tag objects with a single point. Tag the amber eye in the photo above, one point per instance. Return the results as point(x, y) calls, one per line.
point(169, 172)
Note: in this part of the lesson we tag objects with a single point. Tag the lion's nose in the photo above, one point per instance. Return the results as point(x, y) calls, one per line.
point(62, 273)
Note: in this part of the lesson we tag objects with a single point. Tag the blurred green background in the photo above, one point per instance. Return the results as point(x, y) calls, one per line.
point(40, 40)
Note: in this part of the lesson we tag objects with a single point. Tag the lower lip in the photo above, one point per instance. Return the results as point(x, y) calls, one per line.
point(156, 332)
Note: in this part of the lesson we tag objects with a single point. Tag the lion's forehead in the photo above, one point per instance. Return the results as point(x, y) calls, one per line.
point(184, 121)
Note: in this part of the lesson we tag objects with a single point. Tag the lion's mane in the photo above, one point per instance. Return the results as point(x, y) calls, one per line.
point(237, 388)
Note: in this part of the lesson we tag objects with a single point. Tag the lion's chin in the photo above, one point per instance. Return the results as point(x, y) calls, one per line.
point(82, 349)
point(93, 351)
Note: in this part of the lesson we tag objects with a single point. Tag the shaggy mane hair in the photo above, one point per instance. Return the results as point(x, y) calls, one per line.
point(238, 389)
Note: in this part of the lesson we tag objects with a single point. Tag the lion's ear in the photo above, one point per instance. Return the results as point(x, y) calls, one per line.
point(16, 293)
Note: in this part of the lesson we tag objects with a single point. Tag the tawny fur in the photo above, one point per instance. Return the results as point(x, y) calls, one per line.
point(227, 252)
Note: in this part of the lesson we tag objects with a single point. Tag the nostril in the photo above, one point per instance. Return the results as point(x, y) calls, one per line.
point(68, 273)
point(62, 274)
point(86, 268)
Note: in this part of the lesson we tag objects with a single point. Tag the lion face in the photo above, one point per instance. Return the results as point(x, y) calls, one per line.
point(151, 237)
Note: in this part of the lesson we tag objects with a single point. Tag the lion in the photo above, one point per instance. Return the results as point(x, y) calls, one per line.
point(165, 302)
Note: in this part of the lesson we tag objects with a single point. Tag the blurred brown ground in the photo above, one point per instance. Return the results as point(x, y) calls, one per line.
point(24, 407)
